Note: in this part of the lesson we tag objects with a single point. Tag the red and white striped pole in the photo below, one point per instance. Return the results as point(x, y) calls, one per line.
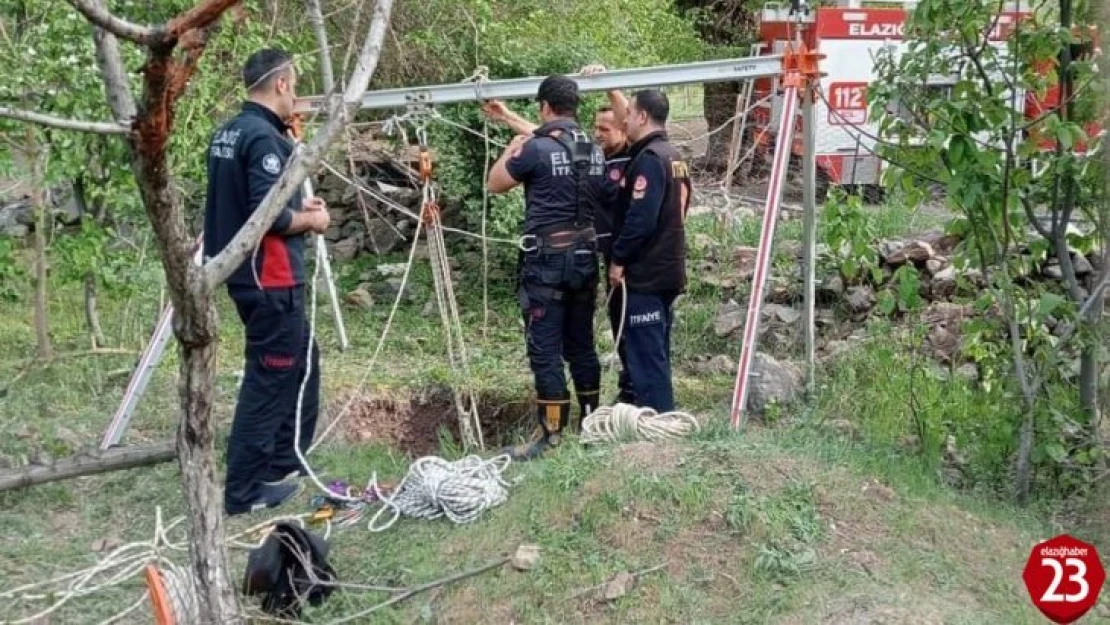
point(783, 145)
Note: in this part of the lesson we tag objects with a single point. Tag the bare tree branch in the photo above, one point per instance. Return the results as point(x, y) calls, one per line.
point(316, 16)
point(95, 12)
point(42, 119)
point(219, 268)
point(113, 74)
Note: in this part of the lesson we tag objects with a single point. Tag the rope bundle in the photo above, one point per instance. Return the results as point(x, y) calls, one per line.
point(434, 488)
point(625, 421)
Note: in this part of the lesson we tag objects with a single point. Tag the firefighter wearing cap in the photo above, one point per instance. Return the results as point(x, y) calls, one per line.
point(562, 171)
point(246, 156)
point(649, 248)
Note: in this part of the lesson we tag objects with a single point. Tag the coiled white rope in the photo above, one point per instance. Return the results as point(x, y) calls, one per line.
point(627, 422)
point(434, 488)
point(180, 585)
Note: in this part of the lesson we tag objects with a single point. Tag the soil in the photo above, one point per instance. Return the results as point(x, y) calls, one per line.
point(413, 423)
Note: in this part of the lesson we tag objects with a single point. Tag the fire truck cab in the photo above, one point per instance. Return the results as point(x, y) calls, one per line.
point(849, 35)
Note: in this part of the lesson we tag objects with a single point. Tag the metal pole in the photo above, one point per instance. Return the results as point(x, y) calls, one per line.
point(322, 257)
point(809, 231)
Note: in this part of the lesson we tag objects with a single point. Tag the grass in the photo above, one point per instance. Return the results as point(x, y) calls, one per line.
point(785, 524)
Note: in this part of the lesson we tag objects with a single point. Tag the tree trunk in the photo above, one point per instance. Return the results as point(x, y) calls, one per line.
point(42, 222)
point(719, 105)
point(215, 592)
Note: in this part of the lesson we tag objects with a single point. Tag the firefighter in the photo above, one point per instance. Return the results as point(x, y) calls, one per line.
point(246, 157)
point(562, 171)
point(649, 248)
point(609, 135)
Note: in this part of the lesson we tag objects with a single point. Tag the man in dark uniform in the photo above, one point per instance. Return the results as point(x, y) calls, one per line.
point(649, 252)
point(245, 158)
point(609, 133)
point(562, 172)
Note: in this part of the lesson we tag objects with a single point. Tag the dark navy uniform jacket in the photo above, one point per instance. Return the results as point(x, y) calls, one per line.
point(245, 158)
point(651, 215)
point(605, 219)
point(550, 188)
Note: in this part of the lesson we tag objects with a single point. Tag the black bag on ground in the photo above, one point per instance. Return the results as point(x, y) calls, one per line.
point(277, 570)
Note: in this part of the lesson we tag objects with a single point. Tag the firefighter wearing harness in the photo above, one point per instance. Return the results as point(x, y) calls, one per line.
point(246, 157)
point(562, 172)
point(609, 135)
point(649, 249)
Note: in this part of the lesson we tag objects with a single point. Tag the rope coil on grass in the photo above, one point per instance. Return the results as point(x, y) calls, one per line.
point(628, 422)
point(434, 488)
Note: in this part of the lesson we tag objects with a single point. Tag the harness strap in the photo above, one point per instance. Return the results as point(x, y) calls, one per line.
point(581, 151)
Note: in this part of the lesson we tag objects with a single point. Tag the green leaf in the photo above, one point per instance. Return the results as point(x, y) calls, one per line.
point(1049, 302)
point(887, 302)
point(1065, 136)
point(1056, 451)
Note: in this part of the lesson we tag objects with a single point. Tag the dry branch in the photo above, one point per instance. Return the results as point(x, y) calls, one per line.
point(88, 464)
point(99, 16)
point(42, 119)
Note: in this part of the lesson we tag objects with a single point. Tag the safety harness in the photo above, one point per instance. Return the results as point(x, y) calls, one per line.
point(558, 237)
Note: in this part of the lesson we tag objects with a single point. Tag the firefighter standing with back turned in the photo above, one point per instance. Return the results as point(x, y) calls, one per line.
point(246, 157)
point(609, 135)
point(562, 172)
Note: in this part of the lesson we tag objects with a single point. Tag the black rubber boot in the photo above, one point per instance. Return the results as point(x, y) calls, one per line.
point(553, 416)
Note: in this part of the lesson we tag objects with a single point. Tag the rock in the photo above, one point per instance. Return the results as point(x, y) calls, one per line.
point(721, 282)
point(1053, 271)
point(619, 585)
point(101, 545)
point(831, 288)
point(703, 241)
point(943, 244)
point(745, 261)
point(942, 343)
point(826, 318)
point(1082, 265)
point(526, 557)
point(333, 234)
point(933, 266)
point(773, 382)
point(784, 314)
point(361, 298)
point(391, 287)
point(392, 270)
point(887, 249)
point(860, 299)
point(917, 252)
point(430, 307)
point(943, 285)
point(16, 219)
point(968, 371)
point(712, 365)
point(910, 442)
point(730, 318)
point(382, 238)
point(346, 249)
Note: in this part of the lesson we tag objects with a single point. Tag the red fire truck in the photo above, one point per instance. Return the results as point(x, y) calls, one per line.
point(849, 35)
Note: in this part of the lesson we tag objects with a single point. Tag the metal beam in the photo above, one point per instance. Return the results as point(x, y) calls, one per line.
point(726, 70)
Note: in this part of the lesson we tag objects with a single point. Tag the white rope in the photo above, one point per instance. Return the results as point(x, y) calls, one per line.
point(434, 488)
point(627, 422)
point(181, 587)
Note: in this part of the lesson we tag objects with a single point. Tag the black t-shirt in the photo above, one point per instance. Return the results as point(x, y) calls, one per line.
point(605, 220)
point(246, 156)
point(546, 169)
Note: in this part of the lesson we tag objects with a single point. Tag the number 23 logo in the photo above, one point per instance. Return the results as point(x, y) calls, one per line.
point(1079, 577)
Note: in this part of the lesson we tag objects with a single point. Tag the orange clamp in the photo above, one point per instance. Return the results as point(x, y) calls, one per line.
point(296, 126)
point(430, 212)
point(425, 165)
point(800, 65)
